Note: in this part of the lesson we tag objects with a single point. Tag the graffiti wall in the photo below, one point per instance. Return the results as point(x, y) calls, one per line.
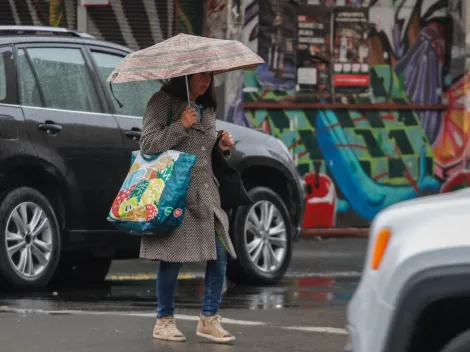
point(363, 146)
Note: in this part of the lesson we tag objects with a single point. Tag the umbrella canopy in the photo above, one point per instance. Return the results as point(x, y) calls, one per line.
point(182, 55)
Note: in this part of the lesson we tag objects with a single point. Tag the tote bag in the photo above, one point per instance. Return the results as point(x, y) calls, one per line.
point(152, 198)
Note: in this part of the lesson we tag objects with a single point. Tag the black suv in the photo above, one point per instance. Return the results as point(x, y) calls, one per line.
point(65, 148)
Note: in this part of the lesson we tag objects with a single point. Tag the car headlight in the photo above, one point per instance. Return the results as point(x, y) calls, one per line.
point(382, 240)
point(285, 149)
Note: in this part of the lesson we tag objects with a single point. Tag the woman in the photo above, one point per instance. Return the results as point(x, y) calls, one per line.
point(204, 235)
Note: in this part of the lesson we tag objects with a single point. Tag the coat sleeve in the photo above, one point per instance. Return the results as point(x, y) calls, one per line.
point(227, 154)
point(157, 137)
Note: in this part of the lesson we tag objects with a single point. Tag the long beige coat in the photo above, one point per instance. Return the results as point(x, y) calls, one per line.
point(194, 240)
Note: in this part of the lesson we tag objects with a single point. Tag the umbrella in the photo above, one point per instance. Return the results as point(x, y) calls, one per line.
point(184, 55)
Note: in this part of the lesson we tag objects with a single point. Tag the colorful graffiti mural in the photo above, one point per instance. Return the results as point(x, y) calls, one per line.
point(407, 138)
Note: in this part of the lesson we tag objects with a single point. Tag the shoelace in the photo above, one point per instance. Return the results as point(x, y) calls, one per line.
point(215, 320)
point(170, 325)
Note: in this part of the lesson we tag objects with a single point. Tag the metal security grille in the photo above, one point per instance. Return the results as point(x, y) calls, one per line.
point(56, 13)
point(138, 24)
point(7, 15)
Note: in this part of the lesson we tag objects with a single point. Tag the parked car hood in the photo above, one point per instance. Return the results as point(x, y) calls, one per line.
point(249, 140)
point(439, 209)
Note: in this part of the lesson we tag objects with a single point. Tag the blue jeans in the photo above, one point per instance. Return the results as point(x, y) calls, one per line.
point(213, 283)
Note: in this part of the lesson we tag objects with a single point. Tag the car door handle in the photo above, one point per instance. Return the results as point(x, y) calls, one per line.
point(50, 127)
point(134, 134)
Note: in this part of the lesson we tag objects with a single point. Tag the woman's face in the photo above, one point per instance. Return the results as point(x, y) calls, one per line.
point(199, 83)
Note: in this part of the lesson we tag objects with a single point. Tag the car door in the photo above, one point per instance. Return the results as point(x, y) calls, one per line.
point(133, 96)
point(69, 124)
point(15, 147)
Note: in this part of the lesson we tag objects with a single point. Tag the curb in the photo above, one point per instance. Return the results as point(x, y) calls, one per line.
point(142, 277)
point(335, 232)
point(188, 276)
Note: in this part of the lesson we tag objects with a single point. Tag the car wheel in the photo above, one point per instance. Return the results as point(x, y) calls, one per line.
point(262, 238)
point(78, 269)
point(459, 344)
point(29, 239)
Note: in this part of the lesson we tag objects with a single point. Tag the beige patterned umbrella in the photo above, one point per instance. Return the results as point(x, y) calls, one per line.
point(184, 55)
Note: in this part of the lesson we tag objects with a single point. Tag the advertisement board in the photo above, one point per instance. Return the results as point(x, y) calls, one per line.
point(313, 49)
point(349, 60)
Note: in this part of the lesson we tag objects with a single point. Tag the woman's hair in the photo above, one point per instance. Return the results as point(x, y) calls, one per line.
point(177, 88)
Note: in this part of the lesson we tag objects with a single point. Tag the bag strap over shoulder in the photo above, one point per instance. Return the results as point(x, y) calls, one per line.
point(169, 119)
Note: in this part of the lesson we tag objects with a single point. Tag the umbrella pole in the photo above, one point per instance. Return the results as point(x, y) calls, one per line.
point(187, 89)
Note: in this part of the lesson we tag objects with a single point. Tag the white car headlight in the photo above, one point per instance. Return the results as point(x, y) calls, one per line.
point(285, 148)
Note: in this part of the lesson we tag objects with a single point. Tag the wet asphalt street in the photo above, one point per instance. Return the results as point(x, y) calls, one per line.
point(305, 312)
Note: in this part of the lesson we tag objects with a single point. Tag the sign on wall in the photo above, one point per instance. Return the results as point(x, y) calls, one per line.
point(313, 49)
point(350, 67)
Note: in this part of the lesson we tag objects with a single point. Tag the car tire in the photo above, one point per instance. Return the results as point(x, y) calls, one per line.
point(255, 268)
point(79, 269)
point(30, 240)
point(461, 343)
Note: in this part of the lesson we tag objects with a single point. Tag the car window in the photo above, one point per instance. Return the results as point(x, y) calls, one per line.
point(133, 95)
point(63, 78)
point(6, 72)
point(29, 91)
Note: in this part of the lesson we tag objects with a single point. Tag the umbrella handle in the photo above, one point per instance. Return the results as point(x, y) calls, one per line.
point(187, 89)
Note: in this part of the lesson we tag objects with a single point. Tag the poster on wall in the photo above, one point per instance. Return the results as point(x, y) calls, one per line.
point(313, 50)
point(350, 68)
point(276, 37)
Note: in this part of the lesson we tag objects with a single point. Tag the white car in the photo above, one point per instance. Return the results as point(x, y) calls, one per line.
point(414, 294)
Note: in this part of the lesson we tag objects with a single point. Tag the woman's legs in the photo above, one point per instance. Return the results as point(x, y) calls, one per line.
point(214, 281)
point(166, 287)
point(209, 323)
point(167, 278)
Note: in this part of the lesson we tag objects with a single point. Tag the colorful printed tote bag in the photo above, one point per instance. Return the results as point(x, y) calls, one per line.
point(152, 198)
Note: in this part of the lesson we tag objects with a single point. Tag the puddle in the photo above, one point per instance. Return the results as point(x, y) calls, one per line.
point(307, 292)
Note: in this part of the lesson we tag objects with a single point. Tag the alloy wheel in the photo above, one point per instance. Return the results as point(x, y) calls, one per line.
point(266, 236)
point(29, 240)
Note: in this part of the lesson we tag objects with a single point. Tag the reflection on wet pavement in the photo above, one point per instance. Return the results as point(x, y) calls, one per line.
point(302, 293)
point(162, 346)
